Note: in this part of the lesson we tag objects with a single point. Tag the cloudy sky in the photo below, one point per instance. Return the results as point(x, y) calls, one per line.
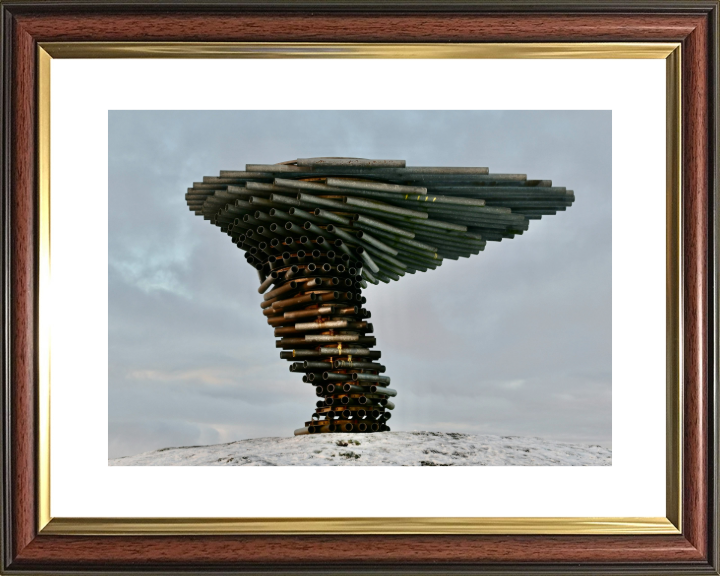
point(515, 341)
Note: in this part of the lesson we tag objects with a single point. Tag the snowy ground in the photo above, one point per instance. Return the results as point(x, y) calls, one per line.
point(379, 449)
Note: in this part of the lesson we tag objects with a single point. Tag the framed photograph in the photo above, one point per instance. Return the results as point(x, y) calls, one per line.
point(120, 340)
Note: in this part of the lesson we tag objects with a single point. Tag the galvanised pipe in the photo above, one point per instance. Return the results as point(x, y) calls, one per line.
point(375, 224)
point(328, 216)
point(292, 227)
point(349, 163)
point(382, 390)
point(379, 186)
point(350, 365)
point(360, 251)
point(303, 216)
point(265, 248)
point(292, 285)
point(306, 298)
point(266, 284)
point(367, 239)
point(281, 216)
point(336, 377)
point(291, 272)
point(333, 389)
point(382, 207)
point(350, 351)
point(352, 389)
point(310, 227)
point(365, 377)
point(322, 366)
point(320, 311)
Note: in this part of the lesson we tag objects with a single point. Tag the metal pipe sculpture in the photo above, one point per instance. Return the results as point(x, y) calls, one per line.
point(317, 230)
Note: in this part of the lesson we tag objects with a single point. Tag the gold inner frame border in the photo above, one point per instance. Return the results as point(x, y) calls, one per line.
point(671, 524)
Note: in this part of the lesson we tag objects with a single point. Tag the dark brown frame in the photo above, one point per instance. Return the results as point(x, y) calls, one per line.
point(24, 24)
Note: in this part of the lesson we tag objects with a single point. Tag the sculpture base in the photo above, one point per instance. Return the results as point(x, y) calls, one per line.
point(360, 426)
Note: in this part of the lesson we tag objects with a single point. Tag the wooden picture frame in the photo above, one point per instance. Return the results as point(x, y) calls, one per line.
point(33, 544)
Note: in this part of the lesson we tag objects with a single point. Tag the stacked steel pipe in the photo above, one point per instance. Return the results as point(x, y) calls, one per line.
point(317, 230)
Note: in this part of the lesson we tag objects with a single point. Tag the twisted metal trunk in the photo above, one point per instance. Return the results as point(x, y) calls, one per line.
point(327, 326)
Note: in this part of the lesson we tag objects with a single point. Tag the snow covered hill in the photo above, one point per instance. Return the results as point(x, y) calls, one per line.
point(379, 449)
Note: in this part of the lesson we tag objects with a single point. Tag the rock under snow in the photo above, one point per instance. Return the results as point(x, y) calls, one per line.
point(379, 449)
